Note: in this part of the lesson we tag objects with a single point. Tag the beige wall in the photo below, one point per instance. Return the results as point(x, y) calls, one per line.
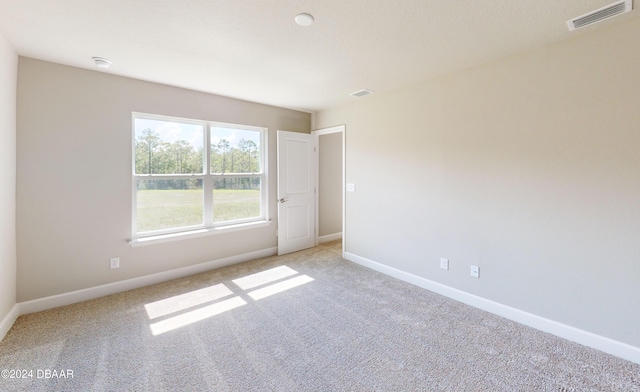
point(74, 176)
point(528, 167)
point(330, 184)
point(8, 76)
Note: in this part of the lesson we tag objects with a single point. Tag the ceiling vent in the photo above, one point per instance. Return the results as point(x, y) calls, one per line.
point(606, 12)
point(362, 93)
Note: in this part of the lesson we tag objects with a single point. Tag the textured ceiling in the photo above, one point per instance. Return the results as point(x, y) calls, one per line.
point(253, 50)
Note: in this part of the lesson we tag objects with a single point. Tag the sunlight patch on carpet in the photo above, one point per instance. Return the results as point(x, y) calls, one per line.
point(280, 287)
point(269, 282)
point(264, 277)
point(196, 315)
point(185, 301)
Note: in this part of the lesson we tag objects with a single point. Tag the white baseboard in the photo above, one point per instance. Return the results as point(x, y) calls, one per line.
point(329, 238)
point(609, 346)
point(8, 320)
point(54, 301)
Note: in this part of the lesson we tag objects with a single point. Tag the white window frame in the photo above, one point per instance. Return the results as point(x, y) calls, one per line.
point(208, 178)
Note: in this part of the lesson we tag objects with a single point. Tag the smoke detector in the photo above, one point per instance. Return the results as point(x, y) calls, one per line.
point(101, 62)
point(606, 12)
point(304, 20)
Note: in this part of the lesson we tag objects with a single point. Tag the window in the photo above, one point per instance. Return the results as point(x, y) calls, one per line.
point(190, 175)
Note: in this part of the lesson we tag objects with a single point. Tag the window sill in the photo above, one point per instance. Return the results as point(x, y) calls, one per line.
point(158, 239)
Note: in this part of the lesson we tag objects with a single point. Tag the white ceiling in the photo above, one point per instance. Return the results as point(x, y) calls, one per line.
point(253, 50)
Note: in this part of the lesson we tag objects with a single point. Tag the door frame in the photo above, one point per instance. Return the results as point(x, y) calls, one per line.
point(317, 133)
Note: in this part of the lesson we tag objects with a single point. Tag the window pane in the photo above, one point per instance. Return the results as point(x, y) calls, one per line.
point(166, 204)
point(236, 198)
point(167, 147)
point(235, 150)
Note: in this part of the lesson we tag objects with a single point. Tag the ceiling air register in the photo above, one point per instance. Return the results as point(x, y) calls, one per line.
point(606, 12)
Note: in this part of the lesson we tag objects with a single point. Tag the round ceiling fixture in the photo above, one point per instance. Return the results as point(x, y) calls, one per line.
point(102, 62)
point(304, 19)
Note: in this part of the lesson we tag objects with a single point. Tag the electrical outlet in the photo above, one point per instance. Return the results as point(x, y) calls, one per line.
point(475, 271)
point(114, 263)
point(444, 263)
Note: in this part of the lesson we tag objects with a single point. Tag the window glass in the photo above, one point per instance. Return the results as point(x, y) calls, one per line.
point(168, 203)
point(236, 198)
point(172, 190)
point(235, 150)
point(168, 147)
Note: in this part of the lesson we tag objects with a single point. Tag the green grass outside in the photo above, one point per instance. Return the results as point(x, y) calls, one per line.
point(163, 209)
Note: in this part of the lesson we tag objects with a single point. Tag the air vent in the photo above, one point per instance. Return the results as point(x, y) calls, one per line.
point(609, 11)
point(362, 93)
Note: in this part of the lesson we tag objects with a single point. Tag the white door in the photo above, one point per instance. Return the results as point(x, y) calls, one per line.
point(296, 195)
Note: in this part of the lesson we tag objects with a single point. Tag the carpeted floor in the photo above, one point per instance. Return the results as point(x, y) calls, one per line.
point(308, 321)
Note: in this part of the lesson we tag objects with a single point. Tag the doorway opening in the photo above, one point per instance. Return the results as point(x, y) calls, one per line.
point(330, 180)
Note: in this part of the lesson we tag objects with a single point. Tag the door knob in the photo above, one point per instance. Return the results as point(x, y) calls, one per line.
point(282, 200)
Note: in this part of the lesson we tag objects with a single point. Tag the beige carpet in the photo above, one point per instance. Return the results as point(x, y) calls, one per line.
point(309, 321)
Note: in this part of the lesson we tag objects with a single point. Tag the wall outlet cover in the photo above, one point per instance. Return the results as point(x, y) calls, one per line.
point(475, 271)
